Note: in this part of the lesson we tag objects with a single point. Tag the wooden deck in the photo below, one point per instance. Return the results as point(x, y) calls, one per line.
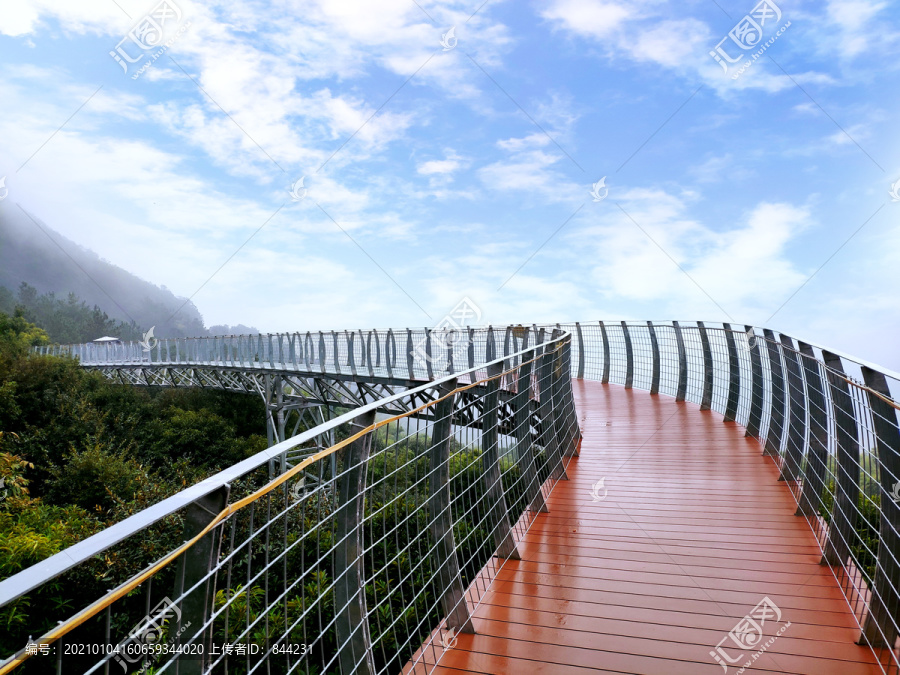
point(693, 532)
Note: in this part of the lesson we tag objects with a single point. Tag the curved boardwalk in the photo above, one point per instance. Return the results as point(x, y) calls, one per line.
point(693, 532)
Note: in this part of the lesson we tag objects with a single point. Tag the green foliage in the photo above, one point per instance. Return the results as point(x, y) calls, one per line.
point(864, 546)
point(71, 320)
point(79, 453)
point(17, 335)
point(96, 478)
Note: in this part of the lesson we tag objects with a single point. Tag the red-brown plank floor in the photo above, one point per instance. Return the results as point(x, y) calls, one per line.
point(694, 530)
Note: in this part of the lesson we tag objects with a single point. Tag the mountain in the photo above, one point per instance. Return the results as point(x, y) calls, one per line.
point(32, 252)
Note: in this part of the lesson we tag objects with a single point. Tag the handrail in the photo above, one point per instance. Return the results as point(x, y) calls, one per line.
point(19, 584)
point(828, 421)
point(536, 410)
point(123, 589)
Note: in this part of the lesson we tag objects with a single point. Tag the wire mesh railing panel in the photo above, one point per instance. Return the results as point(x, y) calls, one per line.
point(361, 558)
point(829, 422)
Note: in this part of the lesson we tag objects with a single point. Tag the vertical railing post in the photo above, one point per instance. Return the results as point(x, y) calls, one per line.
point(654, 345)
point(521, 405)
point(846, 500)
point(681, 392)
point(494, 494)
point(629, 357)
point(605, 337)
point(409, 356)
point(706, 401)
point(390, 352)
point(734, 375)
point(817, 453)
point(880, 626)
point(351, 621)
point(775, 431)
point(335, 341)
point(429, 355)
point(351, 357)
point(580, 374)
point(453, 598)
point(551, 433)
point(470, 354)
point(195, 565)
point(565, 415)
point(754, 421)
point(793, 454)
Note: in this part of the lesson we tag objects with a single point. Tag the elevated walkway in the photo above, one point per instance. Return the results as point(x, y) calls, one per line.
point(649, 572)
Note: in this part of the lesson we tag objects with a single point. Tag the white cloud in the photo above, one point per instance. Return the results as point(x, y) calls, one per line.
point(642, 32)
point(742, 268)
point(451, 164)
point(594, 18)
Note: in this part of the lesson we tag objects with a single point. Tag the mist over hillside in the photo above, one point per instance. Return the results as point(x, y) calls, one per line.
point(34, 253)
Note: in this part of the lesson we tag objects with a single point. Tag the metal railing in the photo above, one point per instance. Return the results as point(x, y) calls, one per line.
point(405, 354)
point(365, 564)
point(829, 421)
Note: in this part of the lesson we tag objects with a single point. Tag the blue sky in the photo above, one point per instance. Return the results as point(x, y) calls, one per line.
point(437, 171)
